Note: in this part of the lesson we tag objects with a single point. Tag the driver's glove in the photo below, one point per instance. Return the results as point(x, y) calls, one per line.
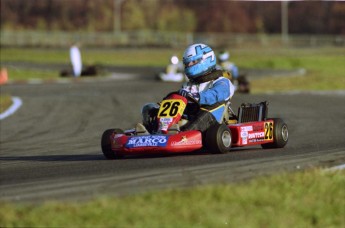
point(186, 94)
point(183, 92)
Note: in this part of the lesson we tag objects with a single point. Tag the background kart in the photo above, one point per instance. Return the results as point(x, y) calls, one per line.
point(248, 128)
point(174, 72)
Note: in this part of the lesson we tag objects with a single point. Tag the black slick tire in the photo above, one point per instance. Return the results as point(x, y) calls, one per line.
point(218, 139)
point(280, 135)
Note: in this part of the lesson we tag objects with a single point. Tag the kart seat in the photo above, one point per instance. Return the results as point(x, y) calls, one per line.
point(229, 116)
point(182, 122)
point(141, 129)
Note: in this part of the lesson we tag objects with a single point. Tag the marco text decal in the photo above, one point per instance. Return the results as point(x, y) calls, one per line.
point(147, 141)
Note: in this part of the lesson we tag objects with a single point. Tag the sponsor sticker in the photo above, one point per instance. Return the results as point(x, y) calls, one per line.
point(256, 135)
point(255, 140)
point(166, 120)
point(163, 126)
point(185, 141)
point(147, 141)
point(244, 134)
point(247, 128)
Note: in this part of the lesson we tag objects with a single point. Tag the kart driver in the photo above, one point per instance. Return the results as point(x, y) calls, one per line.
point(206, 85)
point(224, 63)
point(240, 81)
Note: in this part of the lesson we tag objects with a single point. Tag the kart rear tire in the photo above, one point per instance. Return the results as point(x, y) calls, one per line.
point(218, 139)
point(280, 135)
point(106, 146)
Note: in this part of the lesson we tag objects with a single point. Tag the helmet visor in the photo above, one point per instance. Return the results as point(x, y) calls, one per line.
point(192, 63)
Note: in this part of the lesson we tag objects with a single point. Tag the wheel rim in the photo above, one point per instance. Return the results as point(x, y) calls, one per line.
point(285, 133)
point(226, 138)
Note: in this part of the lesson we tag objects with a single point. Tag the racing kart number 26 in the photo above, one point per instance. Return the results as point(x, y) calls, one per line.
point(171, 108)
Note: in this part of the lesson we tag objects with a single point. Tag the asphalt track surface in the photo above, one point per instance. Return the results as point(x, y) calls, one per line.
point(50, 148)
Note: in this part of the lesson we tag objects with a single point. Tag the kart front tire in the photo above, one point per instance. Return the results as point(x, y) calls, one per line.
point(280, 135)
point(218, 139)
point(106, 146)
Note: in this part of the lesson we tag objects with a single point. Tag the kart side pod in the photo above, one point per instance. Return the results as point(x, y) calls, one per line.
point(254, 128)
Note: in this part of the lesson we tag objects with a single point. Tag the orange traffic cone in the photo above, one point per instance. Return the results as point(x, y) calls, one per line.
point(3, 76)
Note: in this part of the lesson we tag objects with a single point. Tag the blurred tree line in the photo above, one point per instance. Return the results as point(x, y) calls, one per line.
point(312, 17)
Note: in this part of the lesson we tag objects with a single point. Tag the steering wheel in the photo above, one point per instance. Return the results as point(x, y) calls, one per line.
point(189, 98)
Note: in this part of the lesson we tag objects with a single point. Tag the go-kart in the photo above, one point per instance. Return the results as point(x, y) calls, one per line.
point(249, 127)
point(172, 73)
point(242, 84)
point(171, 77)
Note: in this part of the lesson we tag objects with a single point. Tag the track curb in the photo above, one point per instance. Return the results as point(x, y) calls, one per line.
point(17, 103)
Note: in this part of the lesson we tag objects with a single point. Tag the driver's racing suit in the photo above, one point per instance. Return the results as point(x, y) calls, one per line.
point(212, 92)
point(215, 90)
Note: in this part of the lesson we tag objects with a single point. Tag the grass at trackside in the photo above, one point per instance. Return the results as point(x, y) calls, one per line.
point(24, 74)
point(306, 199)
point(325, 69)
point(5, 102)
point(118, 57)
point(325, 66)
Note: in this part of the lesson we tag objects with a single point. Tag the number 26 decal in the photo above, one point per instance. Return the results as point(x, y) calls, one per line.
point(170, 108)
point(268, 130)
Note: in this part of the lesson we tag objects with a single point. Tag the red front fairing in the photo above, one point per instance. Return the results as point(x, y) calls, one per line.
point(148, 144)
point(170, 112)
point(252, 133)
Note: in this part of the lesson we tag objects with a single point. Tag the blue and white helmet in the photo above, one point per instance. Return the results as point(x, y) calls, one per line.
point(223, 56)
point(198, 59)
